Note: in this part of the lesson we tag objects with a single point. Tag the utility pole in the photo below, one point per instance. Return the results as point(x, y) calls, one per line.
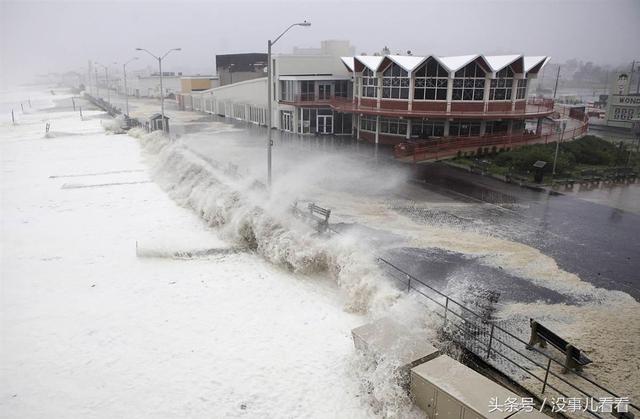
point(270, 99)
point(555, 89)
point(555, 158)
point(160, 58)
point(124, 75)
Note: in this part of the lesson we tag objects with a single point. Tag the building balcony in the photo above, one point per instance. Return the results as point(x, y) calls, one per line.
point(537, 108)
point(448, 147)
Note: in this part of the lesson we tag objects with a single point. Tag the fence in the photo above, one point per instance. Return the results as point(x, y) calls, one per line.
point(448, 147)
point(533, 369)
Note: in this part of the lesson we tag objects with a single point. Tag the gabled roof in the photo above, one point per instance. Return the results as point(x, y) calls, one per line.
point(348, 61)
point(372, 62)
point(531, 62)
point(498, 62)
point(457, 62)
point(492, 63)
point(408, 62)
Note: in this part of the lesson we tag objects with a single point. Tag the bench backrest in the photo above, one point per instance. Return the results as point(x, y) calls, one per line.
point(552, 338)
point(320, 211)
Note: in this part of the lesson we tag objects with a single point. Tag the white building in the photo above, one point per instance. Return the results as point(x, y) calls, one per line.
point(149, 85)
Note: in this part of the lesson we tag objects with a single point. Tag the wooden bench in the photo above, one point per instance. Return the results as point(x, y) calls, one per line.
point(574, 357)
point(320, 215)
point(317, 215)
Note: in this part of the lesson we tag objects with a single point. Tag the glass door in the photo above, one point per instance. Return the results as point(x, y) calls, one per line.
point(325, 124)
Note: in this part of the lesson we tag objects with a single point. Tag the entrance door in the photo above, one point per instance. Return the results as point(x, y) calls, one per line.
point(325, 124)
point(324, 91)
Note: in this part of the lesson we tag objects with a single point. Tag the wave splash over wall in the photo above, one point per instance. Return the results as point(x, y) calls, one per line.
point(245, 215)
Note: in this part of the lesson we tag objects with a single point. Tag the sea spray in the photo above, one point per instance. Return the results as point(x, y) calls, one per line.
point(238, 211)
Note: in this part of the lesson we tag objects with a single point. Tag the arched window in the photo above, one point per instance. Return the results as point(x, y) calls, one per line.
point(369, 83)
point(395, 82)
point(468, 83)
point(502, 85)
point(431, 82)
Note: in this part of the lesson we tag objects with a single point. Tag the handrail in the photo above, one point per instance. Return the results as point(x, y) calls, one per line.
point(501, 342)
point(491, 348)
point(533, 107)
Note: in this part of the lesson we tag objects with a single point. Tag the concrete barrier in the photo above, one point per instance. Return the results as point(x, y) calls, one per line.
point(447, 389)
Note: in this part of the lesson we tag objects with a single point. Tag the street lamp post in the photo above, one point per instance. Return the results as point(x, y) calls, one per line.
point(95, 69)
point(160, 58)
point(124, 77)
point(106, 72)
point(555, 158)
point(269, 104)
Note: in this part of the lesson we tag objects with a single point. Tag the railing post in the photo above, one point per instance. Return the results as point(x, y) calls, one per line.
point(546, 375)
point(409, 283)
point(446, 309)
point(490, 341)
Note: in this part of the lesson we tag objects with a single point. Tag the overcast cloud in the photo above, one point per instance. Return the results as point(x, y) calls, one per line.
point(37, 37)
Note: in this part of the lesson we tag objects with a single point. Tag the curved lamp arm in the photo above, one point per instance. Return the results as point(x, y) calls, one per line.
point(305, 23)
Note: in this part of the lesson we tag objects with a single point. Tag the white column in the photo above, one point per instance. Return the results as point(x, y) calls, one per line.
point(483, 127)
point(377, 127)
point(408, 127)
point(449, 93)
point(487, 91)
point(411, 84)
point(446, 128)
point(514, 91)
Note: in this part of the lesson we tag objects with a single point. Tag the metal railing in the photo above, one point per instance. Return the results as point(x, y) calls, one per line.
point(503, 349)
point(530, 108)
point(448, 147)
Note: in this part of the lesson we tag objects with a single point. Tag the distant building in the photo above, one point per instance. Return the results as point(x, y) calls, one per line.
point(198, 83)
point(334, 48)
point(622, 106)
point(149, 86)
point(234, 68)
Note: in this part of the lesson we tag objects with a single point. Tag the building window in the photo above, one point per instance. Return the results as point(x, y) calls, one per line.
point(341, 88)
point(395, 82)
point(468, 83)
point(464, 129)
point(502, 85)
point(431, 82)
point(286, 121)
point(423, 128)
point(368, 123)
point(307, 88)
point(393, 126)
point(287, 90)
point(522, 89)
point(369, 83)
point(496, 127)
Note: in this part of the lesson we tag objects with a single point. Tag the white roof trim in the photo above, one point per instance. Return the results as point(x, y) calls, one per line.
point(314, 77)
point(407, 62)
point(498, 62)
point(531, 62)
point(372, 62)
point(455, 63)
point(349, 62)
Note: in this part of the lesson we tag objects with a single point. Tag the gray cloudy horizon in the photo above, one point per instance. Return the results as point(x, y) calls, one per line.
point(53, 36)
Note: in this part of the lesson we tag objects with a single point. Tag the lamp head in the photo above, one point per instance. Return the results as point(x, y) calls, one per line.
point(138, 49)
point(305, 23)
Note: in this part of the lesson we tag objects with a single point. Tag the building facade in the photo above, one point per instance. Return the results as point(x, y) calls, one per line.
point(393, 98)
point(234, 68)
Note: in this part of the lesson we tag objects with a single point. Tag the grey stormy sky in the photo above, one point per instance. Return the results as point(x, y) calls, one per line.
point(37, 37)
